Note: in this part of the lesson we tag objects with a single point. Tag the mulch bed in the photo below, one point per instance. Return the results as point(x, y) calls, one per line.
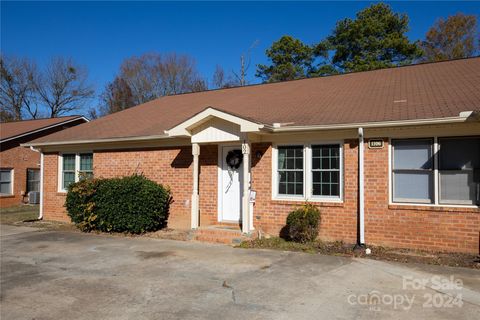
point(339, 248)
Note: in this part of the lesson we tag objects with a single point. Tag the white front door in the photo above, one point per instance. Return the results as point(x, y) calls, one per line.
point(231, 185)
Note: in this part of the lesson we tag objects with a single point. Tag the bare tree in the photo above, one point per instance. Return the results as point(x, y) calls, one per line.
point(117, 96)
point(16, 89)
point(220, 80)
point(142, 75)
point(179, 75)
point(245, 61)
point(63, 87)
point(152, 75)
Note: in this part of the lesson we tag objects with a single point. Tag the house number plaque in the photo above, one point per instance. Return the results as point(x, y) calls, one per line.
point(375, 143)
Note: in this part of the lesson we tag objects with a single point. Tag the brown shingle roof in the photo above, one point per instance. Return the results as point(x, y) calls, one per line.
point(433, 90)
point(9, 130)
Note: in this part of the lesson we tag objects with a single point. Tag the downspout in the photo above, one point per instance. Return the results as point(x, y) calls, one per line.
point(361, 191)
point(40, 213)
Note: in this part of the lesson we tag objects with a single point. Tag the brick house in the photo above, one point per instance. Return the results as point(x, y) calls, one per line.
point(20, 167)
point(391, 157)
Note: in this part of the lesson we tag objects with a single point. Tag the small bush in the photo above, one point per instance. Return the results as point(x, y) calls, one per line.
point(303, 224)
point(130, 204)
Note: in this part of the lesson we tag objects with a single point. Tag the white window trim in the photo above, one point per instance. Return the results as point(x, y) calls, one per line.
point(436, 180)
point(60, 168)
point(307, 173)
point(12, 183)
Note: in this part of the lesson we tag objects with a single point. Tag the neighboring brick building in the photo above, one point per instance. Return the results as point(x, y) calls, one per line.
point(391, 157)
point(20, 167)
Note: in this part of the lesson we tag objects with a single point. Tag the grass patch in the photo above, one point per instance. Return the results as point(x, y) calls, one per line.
point(339, 248)
point(18, 214)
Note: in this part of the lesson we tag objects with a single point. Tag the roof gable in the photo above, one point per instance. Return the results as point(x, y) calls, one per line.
point(185, 128)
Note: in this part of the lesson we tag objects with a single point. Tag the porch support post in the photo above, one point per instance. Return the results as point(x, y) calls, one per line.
point(195, 197)
point(246, 223)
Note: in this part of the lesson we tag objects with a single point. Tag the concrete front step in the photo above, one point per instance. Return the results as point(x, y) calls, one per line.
point(220, 234)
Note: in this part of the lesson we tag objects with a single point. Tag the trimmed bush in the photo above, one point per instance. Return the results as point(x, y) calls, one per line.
point(131, 204)
point(303, 223)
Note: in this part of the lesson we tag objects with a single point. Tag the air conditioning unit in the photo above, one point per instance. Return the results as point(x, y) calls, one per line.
point(34, 197)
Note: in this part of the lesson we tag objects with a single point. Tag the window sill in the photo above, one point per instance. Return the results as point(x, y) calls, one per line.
point(431, 207)
point(316, 201)
point(7, 196)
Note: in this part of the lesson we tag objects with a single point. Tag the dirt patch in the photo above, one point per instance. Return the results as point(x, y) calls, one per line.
point(154, 254)
point(377, 253)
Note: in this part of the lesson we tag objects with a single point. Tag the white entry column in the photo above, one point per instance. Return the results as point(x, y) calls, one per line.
point(195, 197)
point(246, 223)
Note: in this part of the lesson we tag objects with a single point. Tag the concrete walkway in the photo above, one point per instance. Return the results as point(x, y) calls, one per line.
point(62, 275)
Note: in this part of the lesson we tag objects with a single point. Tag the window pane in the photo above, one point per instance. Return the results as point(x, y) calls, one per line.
point(299, 188)
point(459, 153)
point(86, 162)
point(458, 186)
point(5, 187)
point(33, 180)
point(412, 154)
point(282, 188)
point(5, 175)
point(68, 178)
point(281, 158)
point(69, 162)
point(413, 186)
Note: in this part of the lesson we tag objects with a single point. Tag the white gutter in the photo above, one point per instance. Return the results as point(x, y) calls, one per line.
point(361, 191)
point(463, 116)
point(40, 213)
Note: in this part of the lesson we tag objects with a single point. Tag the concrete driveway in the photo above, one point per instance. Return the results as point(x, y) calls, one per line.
point(62, 275)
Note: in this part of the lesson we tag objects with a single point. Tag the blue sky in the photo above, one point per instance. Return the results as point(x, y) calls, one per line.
point(101, 34)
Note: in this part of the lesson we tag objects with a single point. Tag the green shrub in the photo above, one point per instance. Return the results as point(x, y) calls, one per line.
point(303, 223)
point(130, 204)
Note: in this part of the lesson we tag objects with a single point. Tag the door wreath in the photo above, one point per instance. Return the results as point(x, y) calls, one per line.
point(234, 160)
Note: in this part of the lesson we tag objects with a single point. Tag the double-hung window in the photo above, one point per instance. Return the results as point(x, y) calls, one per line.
point(308, 172)
point(326, 170)
point(6, 182)
point(290, 170)
point(74, 166)
point(33, 180)
point(413, 170)
point(436, 171)
point(86, 165)
point(459, 170)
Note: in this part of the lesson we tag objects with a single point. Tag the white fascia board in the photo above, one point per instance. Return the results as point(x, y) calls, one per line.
point(73, 142)
point(184, 128)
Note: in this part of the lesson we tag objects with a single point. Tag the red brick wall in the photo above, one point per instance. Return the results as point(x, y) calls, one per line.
point(53, 200)
point(20, 159)
point(169, 166)
point(435, 228)
point(339, 220)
